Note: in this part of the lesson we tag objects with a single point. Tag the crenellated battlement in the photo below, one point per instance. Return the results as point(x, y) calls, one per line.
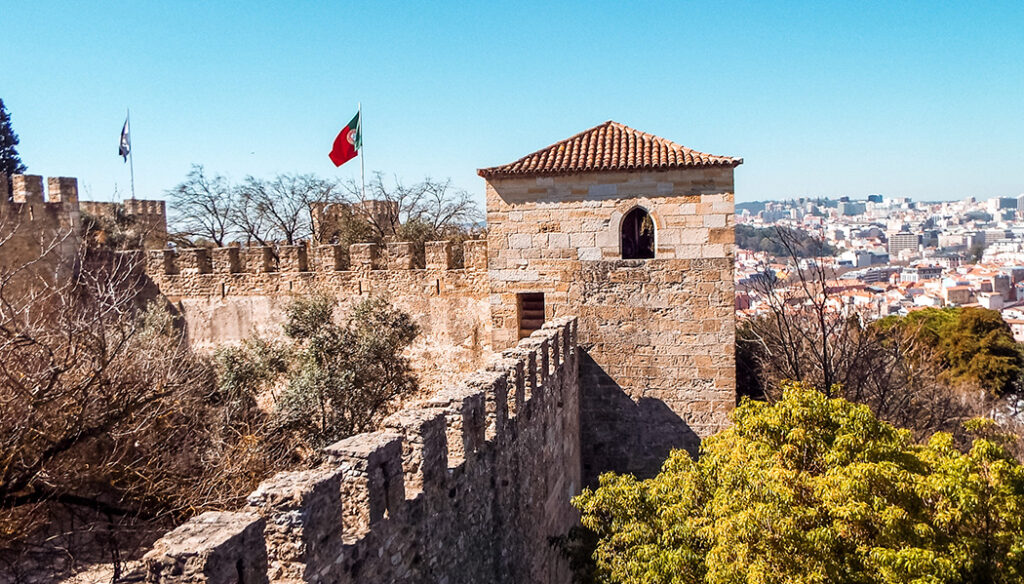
point(434, 255)
point(40, 216)
point(29, 201)
point(145, 207)
point(39, 227)
point(466, 486)
point(28, 189)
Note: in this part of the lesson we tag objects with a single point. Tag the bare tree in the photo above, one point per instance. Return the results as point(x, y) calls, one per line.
point(808, 333)
point(280, 209)
point(110, 427)
point(203, 207)
point(806, 327)
point(431, 206)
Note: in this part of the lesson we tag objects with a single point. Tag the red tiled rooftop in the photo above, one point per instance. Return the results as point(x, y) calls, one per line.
point(609, 146)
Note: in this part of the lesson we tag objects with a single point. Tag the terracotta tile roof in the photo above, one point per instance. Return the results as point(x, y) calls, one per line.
point(609, 146)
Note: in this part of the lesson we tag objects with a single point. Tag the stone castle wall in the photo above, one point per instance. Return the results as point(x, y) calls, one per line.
point(148, 218)
point(229, 294)
point(659, 369)
point(468, 486)
point(38, 231)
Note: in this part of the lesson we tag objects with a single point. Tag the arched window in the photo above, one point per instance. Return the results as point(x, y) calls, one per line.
point(637, 235)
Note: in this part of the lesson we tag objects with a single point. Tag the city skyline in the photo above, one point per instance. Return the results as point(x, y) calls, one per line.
point(828, 101)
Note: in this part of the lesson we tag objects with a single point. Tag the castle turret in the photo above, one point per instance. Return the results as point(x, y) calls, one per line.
point(42, 236)
point(634, 234)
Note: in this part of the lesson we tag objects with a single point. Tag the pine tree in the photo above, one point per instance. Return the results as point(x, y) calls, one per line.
point(10, 162)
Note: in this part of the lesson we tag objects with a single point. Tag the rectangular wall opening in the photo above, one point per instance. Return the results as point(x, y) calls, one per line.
point(531, 312)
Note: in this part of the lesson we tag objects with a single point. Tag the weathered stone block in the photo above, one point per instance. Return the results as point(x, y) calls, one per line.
point(438, 255)
point(424, 453)
point(214, 548)
point(372, 483)
point(364, 256)
point(260, 260)
point(330, 258)
point(160, 262)
point(302, 510)
point(400, 255)
point(475, 252)
point(194, 260)
point(293, 258)
point(227, 260)
point(27, 188)
point(62, 189)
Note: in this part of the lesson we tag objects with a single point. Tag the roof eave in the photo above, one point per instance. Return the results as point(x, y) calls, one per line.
point(496, 172)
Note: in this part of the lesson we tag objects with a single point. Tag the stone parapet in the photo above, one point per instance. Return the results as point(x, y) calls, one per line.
point(227, 260)
point(466, 486)
point(28, 188)
point(438, 255)
point(215, 547)
point(364, 256)
point(325, 258)
point(62, 189)
point(401, 256)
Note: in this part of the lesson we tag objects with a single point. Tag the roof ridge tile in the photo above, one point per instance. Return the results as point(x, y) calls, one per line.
point(609, 146)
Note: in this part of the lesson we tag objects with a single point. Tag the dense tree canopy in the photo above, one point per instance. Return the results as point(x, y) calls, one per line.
point(813, 489)
point(975, 345)
point(341, 379)
point(10, 161)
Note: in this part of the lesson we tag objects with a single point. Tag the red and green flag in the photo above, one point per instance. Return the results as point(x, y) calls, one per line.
point(348, 143)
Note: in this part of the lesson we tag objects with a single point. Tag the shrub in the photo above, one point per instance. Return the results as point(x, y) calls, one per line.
point(813, 489)
point(345, 377)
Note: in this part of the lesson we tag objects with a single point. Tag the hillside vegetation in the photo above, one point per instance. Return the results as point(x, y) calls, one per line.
point(767, 239)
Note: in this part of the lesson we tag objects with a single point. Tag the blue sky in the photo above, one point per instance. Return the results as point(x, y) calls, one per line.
point(921, 99)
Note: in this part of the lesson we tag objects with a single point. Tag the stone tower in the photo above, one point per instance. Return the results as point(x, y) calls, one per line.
point(39, 234)
point(634, 234)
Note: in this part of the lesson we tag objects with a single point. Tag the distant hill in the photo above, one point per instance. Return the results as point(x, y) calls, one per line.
point(753, 206)
point(767, 239)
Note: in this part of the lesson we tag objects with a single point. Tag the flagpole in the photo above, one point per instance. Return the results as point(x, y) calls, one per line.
point(362, 156)
point(131, 152)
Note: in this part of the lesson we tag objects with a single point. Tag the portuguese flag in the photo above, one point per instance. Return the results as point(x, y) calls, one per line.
point(348, 143)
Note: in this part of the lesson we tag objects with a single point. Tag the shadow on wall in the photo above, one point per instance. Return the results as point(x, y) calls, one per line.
point(622, 435)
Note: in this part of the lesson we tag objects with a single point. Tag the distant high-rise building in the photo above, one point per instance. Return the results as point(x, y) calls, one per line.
point(903, 241)
point(997, 204)
point(875, 198)
point(848, 208)
point(990, 236)
point(952, 240)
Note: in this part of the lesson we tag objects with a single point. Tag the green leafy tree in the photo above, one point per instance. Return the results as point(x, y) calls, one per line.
point(345, 376)
point(814, 490)
point(981, 348)
point(975, 345)
point(10, 161)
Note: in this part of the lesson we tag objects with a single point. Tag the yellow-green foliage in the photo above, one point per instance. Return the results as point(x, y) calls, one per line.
point(814, 490)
